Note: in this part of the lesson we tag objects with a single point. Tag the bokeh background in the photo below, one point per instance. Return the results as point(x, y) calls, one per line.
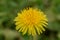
point(10, 8)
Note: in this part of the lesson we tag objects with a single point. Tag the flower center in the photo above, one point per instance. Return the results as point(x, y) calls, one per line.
point(31, 18)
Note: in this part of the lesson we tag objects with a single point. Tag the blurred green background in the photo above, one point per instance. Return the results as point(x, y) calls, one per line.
point(10, 8)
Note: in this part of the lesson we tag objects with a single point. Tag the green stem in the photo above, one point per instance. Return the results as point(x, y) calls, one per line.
point(35, 37)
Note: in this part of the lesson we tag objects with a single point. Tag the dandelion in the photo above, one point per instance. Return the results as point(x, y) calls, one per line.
point(31, 21)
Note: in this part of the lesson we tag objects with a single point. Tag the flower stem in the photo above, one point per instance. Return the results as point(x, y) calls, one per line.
point(30, 38)
point(35, 37)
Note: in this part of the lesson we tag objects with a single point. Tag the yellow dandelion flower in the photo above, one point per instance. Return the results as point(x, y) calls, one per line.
point(31, 21)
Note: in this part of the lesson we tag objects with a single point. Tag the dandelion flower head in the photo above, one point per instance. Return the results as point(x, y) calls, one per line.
point(31, 21)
